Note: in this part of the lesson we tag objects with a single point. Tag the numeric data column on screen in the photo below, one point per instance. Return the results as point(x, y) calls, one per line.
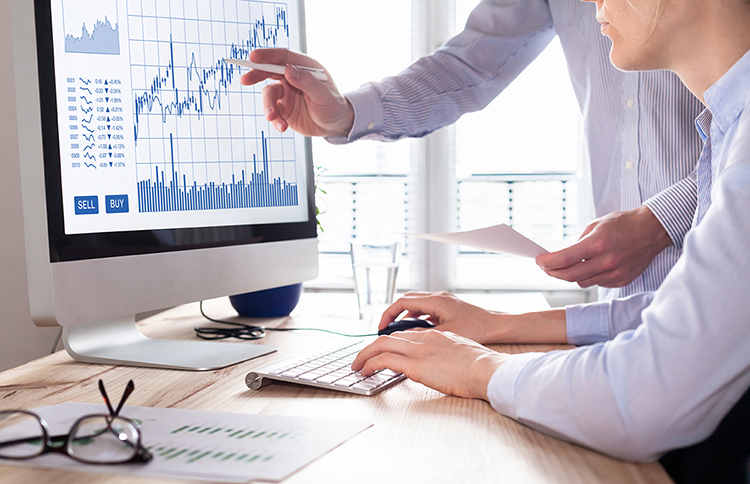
point(96, 123)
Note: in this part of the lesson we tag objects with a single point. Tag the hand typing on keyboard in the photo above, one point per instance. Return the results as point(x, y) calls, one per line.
point(441, 360)
point(326, 369)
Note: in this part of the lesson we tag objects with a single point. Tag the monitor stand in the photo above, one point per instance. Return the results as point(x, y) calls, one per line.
point(119, 342)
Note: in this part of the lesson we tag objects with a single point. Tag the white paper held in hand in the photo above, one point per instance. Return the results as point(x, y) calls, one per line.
point(498, 238)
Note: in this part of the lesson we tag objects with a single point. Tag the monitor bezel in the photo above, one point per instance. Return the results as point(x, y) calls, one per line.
point(65, 248)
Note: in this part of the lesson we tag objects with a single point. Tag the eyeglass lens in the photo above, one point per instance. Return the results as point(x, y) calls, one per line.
point(99, 439)
point(21, 435)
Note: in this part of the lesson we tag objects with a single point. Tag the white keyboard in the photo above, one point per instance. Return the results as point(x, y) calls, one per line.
point(325, 369)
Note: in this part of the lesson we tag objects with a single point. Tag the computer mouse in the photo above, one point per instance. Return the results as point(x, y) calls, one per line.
point(404, 324)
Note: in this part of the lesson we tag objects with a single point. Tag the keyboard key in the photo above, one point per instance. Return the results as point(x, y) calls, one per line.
point(328, 379)
point(310, 376)
point(365, 385)
point(293, 373)
point(388, 372)
point(378, 378)
point(348, 381)
point(344, 383)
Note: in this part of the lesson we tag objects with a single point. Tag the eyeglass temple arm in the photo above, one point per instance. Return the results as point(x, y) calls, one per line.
point(106, 398)
point(128, 390)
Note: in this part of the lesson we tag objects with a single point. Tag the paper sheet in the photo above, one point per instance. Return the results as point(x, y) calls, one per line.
point(209, 446)
point(499, 238)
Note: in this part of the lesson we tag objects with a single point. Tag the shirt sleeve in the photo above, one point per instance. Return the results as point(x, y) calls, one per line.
point(669, 382)
point(675, 208)
point(602, 321)
point(500, 40)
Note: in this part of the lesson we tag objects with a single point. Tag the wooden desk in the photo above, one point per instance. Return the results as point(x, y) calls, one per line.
point(419, 435)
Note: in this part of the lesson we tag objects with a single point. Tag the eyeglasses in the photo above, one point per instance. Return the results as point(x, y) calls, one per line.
point(93, 439)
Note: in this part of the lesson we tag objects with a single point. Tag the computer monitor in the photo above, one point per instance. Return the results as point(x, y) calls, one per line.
point(150, 177)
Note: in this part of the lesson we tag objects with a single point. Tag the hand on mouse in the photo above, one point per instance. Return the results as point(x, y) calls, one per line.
point(444, 361)
point(447, 312)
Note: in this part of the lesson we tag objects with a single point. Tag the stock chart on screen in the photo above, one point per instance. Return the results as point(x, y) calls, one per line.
point(156, 130)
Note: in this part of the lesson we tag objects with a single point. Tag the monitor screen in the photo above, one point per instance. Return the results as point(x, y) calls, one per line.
point(150, 142)
point(150, 177)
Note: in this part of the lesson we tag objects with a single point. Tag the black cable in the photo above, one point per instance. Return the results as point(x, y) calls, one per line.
point(251, 332)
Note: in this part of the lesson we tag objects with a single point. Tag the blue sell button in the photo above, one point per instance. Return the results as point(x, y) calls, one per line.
point(87, 205)
point(116, 203)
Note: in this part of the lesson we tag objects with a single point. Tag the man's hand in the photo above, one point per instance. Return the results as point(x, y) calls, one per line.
point(300, 101)
point(611, 252)
point(444, 361)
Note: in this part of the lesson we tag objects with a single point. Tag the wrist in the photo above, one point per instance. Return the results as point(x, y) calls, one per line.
point(660, 239)
point(482, 371)
point(345, 125)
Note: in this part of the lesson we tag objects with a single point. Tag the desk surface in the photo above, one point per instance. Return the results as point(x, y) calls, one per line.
point(439, 438)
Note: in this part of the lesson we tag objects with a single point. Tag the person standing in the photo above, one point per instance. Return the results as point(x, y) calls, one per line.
point(638, 126)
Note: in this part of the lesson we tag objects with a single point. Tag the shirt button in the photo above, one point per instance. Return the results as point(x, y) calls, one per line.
point(629, 165)
point(371, 126)
point(630, 103)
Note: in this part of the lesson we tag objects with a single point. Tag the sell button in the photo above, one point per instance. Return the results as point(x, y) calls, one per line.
point(116, 203)
point(87, 205)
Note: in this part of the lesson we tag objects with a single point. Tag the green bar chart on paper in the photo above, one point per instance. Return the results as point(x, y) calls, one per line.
point(236, 432)
point(217, 446)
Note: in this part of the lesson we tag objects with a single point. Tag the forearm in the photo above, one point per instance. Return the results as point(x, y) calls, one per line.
point(533, 327)
point(500, 40)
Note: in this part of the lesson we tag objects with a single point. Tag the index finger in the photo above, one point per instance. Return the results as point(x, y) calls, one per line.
point(565, 258)
point(254, 76)
point(416, 305)
point(283, 57)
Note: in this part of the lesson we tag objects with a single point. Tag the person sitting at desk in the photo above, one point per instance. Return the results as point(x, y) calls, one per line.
point(658, 371)
point(638, 127)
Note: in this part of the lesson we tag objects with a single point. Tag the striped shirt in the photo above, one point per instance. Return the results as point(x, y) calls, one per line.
point(638, 126)
point(663, 368)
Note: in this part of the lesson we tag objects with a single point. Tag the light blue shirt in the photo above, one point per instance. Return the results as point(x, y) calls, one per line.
point(638, 126)
point(668, 365)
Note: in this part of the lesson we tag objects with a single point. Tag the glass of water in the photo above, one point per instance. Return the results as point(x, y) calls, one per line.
point(375, 267)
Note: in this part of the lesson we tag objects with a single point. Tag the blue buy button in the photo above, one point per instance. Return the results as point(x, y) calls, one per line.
point(116, 203)
point(87, 205)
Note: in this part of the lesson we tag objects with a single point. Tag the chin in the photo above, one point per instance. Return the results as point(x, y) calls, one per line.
point(631, 63)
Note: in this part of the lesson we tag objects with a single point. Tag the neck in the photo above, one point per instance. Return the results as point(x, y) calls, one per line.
point(710, 47)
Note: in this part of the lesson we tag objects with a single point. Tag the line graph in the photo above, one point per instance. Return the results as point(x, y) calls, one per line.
point(201, 139)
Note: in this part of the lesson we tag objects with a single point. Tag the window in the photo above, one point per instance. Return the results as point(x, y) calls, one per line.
point(489, 168)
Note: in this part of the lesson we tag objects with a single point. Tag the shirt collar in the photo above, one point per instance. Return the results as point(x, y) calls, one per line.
point(703, 124)
point(727, 97)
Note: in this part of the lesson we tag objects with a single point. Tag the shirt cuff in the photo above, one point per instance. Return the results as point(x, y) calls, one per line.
point(674, 208)
point(502, 387)
point(587, 323)
point(368, 115)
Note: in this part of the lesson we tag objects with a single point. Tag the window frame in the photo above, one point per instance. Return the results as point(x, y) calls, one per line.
point(432, 176)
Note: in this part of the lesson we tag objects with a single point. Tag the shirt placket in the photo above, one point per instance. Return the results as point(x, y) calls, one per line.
point(630, 193)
